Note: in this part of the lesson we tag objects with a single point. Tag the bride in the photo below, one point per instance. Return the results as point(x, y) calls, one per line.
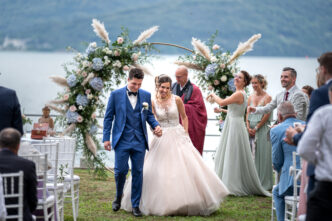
point(176, 181)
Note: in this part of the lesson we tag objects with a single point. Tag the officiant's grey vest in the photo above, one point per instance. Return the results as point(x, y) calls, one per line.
point(133, 131)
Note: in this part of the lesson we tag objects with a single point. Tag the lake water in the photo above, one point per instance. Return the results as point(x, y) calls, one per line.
point(28, 73)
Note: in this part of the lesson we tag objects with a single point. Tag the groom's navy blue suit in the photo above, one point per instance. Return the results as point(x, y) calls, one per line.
point(129, 137)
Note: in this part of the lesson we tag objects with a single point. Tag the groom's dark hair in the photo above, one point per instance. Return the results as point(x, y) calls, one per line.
point(136, 73)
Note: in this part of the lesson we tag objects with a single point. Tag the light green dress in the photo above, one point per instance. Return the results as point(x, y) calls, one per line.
point(263, 153)
point(233, 162)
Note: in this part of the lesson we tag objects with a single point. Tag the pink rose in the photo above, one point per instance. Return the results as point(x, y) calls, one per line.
point(216, 82)
point(120, 40)
point(79, 119)
point(194, 57)
point(72, 108)
point(215, 47)
point(66, 96)
point(84, 74)
point(210, 88)
point(125, 68)
point(93, 116)
point(78, 72)
point(87, 91)
point(222, 66)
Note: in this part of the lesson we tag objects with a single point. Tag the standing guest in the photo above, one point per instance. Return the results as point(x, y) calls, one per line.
point(316, 147)
point(291, 93)
point(319, 97)
point(128, 111)
point(193, 101)
point(11, 163)
point(10, 110)
point(307, 89)
point(282, 156)
point(233, 162)
point(257, 126)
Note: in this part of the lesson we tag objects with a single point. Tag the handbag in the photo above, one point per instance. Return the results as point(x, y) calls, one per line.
point(39, 131)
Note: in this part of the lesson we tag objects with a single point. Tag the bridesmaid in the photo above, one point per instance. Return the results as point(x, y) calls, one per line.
point(257, 126)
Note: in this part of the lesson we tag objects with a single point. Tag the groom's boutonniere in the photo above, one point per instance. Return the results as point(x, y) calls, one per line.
point(145, 106)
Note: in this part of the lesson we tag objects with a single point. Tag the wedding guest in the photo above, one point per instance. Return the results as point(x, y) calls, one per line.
point(291, 93)
point(319, 97)
point(257, 126)
point(307, 89)
point(282, 156)
point(46, 117)
point(11, 163)
point(10, 110)
point(316, 147)
point(233, 161)
point(193, 101)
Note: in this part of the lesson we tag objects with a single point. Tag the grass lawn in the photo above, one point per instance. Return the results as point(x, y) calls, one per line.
point(96, 197)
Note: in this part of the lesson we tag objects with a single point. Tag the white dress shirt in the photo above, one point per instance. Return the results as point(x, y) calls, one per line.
point(2, 203)
point(132, 99)
point(316, 143)
point(295, 96)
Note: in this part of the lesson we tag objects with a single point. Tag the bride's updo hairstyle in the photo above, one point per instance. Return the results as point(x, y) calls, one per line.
point(163, 78)
point(247, 78)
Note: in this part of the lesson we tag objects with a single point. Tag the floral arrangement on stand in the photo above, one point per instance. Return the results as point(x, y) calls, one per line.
point(99, 69)
point(215, 69)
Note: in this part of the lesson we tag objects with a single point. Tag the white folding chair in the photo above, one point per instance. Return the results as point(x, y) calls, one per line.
point(67, 147)
point(53, 185)
point(276, 181)
point(291, 202)
point(46, 201)
point(12, 192)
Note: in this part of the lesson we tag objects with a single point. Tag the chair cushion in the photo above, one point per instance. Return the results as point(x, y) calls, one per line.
point(75, 178)
point(50, 199)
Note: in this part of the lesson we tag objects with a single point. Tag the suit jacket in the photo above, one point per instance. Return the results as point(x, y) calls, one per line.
point(115, 116)
point(282, 154)
point(10, 110)
point(11, 163)
point(319, 97)
point(296, 97)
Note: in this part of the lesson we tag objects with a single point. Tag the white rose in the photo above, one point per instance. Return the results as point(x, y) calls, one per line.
point(90, 96)
point(214, 59)
point(80, 107)
point(93, 44)
point(222, 66)
point(145, 105)
point(116, 53)
point(215, 47)
point(134, 57)
point(223, 78)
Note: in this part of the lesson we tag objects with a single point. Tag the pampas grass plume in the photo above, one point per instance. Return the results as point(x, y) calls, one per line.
point(60, 80)
point(57, 109)
point(145, 35)
point(69, 129)
point(144, 69)
point(201, 48)
point(88, 78)
point(90, 143)
point(100, 30)
point(189, 65)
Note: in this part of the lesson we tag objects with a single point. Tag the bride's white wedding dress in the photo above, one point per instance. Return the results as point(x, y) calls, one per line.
point(176, 180)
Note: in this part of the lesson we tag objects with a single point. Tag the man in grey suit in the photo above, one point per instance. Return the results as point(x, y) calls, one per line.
point(291, 93)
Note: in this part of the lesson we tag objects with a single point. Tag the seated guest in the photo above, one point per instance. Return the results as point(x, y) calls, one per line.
point(316, 147)
point(11, 163)
point(282, 156)
point(307, 89)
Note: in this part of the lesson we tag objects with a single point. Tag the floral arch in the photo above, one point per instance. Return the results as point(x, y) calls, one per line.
point(105, 67)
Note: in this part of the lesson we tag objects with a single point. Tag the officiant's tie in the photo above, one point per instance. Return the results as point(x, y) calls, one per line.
point(286, 96)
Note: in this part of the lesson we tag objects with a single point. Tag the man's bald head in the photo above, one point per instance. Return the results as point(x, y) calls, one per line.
point(181, 75)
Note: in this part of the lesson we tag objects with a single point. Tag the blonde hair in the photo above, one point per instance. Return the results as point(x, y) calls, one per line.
point(261, 79)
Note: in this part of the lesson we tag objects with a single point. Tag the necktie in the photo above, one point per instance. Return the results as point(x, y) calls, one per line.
point(286, 96)
point(132, 93)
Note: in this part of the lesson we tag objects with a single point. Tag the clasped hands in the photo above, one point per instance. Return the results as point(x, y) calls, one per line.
point(158, 131)
point(291, 131)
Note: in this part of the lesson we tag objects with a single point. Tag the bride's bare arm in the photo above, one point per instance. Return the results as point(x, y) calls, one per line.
point(182, 112)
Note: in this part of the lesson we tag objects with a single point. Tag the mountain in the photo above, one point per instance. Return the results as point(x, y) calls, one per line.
point(288, 28)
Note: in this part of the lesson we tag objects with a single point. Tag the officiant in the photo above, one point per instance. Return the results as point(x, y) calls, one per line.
point(194, 104)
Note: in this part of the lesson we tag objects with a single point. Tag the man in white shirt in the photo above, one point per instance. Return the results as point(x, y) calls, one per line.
point(315, 146)
point(291, 93)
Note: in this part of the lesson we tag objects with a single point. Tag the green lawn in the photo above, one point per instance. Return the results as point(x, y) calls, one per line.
point(96, 196)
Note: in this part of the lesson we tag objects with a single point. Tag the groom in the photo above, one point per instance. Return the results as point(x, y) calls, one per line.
point(128, 110)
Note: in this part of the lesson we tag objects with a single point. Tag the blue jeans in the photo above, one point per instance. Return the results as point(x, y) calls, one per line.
point(279, 201)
